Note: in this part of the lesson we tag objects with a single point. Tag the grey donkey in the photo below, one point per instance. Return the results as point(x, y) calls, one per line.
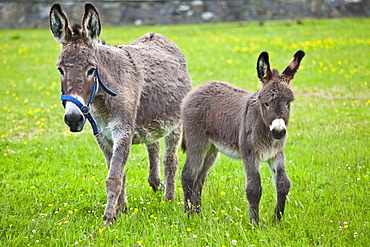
point(150, 79)
point(244, 125)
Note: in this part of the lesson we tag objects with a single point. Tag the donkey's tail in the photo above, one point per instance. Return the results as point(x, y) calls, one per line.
point(183, 142)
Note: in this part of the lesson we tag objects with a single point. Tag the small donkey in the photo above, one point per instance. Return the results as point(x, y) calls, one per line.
point(252, 126)
point(148, 78)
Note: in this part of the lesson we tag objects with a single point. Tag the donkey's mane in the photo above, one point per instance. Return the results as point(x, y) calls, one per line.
point(78, 37)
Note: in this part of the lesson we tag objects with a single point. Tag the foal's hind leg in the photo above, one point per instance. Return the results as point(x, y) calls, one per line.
point(170, 162)
point(194, 172)
point(282, 182)
point(190, 172)
point(209, 160)
point(154, 178)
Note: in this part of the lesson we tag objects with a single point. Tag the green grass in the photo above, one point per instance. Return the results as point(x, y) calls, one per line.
point(53, 182)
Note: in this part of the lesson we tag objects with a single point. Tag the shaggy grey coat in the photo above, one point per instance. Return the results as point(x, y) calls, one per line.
point(250, 126)
point(150, 78)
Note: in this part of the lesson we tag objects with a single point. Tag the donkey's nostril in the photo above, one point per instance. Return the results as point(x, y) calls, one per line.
point(74, 121)
point(81, 119)
point(66, 119)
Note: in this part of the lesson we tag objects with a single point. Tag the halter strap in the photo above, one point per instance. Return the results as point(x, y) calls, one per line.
point(86, 109)
point(101, 83)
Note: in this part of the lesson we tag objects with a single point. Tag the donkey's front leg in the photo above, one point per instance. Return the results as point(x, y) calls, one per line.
point(254, 188)
point(115, 182)
point(282, 182)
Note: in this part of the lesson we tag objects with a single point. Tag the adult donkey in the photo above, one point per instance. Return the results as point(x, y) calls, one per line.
point(252, 126)
point(149, 78)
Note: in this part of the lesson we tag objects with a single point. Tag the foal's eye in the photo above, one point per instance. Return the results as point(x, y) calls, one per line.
point(266, 105)
point(61, 71)
point(288, 105)
point(90, 72)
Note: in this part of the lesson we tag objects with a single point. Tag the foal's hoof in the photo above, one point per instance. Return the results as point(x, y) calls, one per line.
point(191, 211)
point(278, 215)
point(255, 222)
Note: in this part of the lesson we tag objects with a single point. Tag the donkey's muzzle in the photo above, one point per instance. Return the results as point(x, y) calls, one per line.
point(278, 128)
point(75, 121)
point(278, 134)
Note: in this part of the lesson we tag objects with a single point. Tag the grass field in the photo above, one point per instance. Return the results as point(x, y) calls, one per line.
point(53, 181)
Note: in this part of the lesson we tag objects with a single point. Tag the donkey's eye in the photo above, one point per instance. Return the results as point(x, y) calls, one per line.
point(90, 72)
point(288, 105)
point(266, 105)
point(61, 71)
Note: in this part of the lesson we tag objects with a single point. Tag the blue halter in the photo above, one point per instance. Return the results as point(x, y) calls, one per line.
point(86, 108)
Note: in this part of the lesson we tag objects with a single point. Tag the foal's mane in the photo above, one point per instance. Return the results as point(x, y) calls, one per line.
point(77, 33)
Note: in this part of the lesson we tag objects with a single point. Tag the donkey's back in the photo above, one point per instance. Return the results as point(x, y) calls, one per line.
point(165, 81)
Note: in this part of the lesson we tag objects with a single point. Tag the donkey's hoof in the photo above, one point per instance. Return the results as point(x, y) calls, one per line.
point(121, 210)
point(109, 221)
point(109, 218)
point(169, 195)
point(155, 188)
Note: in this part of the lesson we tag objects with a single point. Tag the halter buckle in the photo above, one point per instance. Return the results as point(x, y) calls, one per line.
point(85, 110)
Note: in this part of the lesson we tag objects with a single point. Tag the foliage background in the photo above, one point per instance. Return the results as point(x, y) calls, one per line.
point(53, 181)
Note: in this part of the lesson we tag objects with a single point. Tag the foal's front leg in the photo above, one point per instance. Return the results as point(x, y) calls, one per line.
point(254, 187)
point(282, 182)
point(115, 182)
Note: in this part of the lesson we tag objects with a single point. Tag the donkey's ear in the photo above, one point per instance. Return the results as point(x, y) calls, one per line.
point(263, 67)
point(294, 65)
point(91, 24)
point(59, 24)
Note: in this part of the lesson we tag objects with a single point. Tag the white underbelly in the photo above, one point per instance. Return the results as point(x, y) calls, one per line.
point(151, 133)
point(230, 152)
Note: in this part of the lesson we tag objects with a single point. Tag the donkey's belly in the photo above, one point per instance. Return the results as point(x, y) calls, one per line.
point(228, 151)
point(146, 134)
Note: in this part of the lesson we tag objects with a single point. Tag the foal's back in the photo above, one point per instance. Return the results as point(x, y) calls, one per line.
point(215, 110)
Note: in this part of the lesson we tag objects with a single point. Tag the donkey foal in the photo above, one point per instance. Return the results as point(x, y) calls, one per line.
point(252, 126)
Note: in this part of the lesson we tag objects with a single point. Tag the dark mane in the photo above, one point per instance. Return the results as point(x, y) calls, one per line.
point(77, 34)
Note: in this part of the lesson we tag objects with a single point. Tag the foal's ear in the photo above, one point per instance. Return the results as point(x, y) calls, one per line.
point(59, 24)
point(294, 65)
point(91, 24)
point(263, 67)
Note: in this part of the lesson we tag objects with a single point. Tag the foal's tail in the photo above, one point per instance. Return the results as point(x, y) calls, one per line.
point(183, 142)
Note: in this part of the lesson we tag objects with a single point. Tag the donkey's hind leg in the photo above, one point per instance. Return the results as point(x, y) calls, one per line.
point(170, 162)
point(154, 178)
point(122, 200)
point(282, 183)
